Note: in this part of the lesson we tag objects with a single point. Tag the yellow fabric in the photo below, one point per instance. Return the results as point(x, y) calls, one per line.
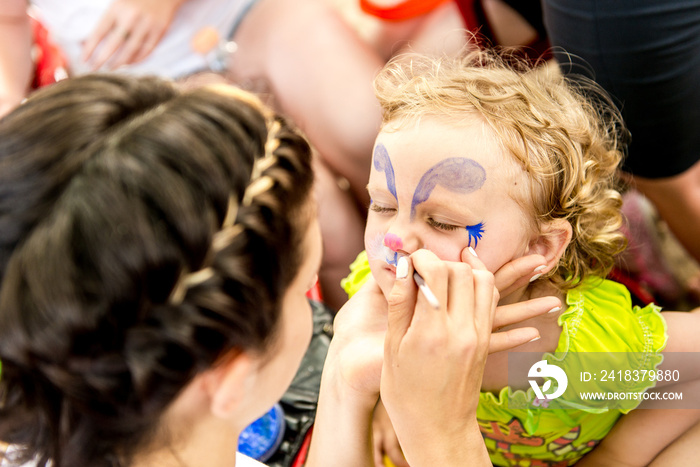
point(518, 431)
point(599, 322)
point(359, 272)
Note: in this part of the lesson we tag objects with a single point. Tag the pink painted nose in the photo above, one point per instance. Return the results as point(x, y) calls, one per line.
point(393, 242)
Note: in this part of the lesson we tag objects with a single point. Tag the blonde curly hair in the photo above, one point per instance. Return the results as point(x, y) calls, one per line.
point(566, 135)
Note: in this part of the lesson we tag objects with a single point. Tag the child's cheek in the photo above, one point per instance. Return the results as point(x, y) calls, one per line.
point(445, 250)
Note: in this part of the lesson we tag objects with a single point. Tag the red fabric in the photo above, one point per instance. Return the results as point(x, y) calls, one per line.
point(475, 21)
point(49, 62)
point(405, 10)
point(473, 16)
point(640, 295)
point(300, 460)
point(314, 293)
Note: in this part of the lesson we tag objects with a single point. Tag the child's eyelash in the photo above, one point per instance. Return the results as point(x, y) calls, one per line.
point(441, 225)
point(380, 209)
point(475, 232)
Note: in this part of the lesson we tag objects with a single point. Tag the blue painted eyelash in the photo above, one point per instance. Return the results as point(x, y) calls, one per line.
point(475, 232)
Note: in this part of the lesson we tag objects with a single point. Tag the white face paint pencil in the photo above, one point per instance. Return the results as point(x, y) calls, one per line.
point(423, 287)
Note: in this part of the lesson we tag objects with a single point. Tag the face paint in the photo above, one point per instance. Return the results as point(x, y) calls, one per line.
point(382, 163)
point(475, 232)
point(393, 241)
point(376, 249)
point(457, 174)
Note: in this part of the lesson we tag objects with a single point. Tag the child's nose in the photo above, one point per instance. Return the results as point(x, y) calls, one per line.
point(393, 241)
point(400, 241)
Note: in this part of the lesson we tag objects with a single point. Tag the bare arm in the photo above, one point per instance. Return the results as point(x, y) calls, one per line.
point(640, 436)
point(350, 383)
point(683, 451)
point(682, 328)
point(15, 60)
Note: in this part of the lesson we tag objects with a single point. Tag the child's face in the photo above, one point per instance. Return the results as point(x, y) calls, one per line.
point(443, 187)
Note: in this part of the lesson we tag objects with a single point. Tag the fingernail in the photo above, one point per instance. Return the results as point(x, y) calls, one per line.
point(471, 250)
point(539, 268)
point(533, 340)
point(402, 268)
point(535, 277)
point(554, 310)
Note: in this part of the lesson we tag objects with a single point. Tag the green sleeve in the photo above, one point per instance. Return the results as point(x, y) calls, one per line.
point(359, 273)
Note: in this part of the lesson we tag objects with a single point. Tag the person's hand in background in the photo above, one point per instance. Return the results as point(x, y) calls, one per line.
point(128, 31)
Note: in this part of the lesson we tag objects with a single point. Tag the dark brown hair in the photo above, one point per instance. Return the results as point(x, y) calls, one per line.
point(144, 233)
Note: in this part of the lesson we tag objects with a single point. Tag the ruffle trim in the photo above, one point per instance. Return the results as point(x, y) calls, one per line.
point(654, 338)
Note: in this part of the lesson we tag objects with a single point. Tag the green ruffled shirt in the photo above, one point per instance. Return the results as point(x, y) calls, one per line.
point(520, 430)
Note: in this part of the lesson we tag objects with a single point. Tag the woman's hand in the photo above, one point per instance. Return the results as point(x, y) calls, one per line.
point(128, 32)
point(434, 360)
point(513, 276)
point(350, 382)
point(509, 278)
point(357, 347)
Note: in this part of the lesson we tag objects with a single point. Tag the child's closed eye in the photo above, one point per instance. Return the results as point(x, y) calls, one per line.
point(441, 225)
point(381, 209)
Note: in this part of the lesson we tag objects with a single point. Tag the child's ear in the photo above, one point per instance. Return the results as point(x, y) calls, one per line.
point(228, 384)
point(552, 241)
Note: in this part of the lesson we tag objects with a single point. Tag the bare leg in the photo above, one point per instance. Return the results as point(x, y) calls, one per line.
point(321, 73)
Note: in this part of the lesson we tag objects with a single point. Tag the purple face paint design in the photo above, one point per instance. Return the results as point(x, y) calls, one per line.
point(382, 163)
point(457, 174)
point(475, 232)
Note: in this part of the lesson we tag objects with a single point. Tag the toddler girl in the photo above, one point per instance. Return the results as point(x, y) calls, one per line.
point(486, 163)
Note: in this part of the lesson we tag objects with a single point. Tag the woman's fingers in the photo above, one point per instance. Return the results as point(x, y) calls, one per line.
point(434, 272)
point(506, 340)
point(401, 305)
point(485, 301)
point(129, 48)
point(507, 315)
point(106, 24)
point(461, 294)
point(512, 275)
point(519, 273)
point(128, 32)
point(521, 311)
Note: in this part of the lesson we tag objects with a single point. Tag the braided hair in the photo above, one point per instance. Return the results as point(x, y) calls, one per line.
point(144, 233)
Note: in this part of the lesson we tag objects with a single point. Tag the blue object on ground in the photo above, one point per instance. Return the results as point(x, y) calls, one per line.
point(262, 437)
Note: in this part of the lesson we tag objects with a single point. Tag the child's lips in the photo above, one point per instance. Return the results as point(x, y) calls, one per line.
point(391, 269)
